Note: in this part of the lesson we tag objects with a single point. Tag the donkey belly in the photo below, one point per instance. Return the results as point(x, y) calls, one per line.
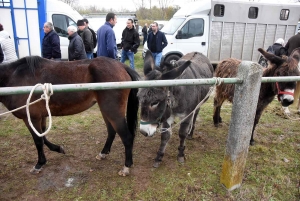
point(71, 103)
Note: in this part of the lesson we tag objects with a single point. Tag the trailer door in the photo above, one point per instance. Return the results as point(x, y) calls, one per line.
point(21, 20)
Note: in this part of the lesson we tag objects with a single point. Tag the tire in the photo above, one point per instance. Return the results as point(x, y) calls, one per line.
point(172, 58)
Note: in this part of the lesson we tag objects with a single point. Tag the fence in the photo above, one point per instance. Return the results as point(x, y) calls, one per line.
point(248, 81)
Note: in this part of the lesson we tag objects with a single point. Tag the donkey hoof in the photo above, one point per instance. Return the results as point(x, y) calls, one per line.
point(189, 137)
point(61, 150)
point(124, 172)
point(156, 164)
point(216, 125)
point(35, 171)
point(101, 156)
point(252, 142)
point(181, 159)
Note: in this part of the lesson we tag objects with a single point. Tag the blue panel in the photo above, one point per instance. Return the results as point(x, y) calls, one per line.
point(42, 18)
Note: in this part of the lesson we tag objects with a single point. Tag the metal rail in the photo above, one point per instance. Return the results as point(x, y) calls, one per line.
point(137, 84)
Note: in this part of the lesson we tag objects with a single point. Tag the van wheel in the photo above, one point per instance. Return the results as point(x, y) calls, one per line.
point(172, 59)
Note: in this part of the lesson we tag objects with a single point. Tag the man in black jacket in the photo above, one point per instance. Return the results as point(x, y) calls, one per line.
point(86, 23)
point(76, 47)
point(51, 43)
point(145, 33)
point(130, 43)
point(87, 38)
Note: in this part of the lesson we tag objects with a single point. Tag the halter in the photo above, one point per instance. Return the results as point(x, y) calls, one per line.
point(279, 92)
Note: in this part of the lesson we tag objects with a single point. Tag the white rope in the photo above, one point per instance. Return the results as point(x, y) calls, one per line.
point(289, 115)
point(218, 82)
point(47, 92)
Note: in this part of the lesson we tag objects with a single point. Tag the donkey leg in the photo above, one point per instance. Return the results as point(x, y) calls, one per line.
point(165, 137)
point(39, 143)
point(256, 120)
point(191, 133)
point(183, 130)
point(51, 146)
point(217, 110)
point(110, 138)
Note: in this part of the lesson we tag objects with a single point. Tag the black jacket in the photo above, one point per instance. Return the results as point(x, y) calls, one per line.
point(130, 40)
point(94, 37)
point(87, 39)
point(51, 46)
point(293, 43)
point(278, 49)
point(76, 48)
point(1, 55)
point(161, 41)
point(144, 30)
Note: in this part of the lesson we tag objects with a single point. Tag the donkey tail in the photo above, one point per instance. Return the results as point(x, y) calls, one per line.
point(133, 103)
point(296, 94)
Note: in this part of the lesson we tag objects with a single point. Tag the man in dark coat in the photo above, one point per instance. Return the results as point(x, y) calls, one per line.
point(293, 43)
point(106, 37)
point(130, 43)
point(156, 42)
point(51, 43)
point(145, 33)
point(87, 38)
point(76, 47)
point(86, 23)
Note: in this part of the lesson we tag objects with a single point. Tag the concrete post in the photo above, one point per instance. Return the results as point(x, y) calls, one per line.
point(241, 124)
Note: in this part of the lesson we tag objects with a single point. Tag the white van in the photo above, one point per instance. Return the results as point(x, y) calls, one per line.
point(25, 20)
point(222, 29)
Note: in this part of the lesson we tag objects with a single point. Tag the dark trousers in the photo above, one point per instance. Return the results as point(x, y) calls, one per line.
point(145, 38)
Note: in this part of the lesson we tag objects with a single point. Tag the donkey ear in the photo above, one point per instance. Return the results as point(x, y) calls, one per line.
point(149, 64)
point(296, 54)
point(165, 67)
point(175, 72)
point(271, 57)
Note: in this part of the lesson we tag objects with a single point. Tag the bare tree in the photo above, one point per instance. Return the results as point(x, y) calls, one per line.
point(70, 2)
point(139, 3)
point(164, 4)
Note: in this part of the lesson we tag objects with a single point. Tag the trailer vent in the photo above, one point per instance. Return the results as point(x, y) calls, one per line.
point(284, 14)
point(253, 12)
point(219, 10)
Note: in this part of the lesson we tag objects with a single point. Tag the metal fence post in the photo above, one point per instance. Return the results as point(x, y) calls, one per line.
point(241, 124)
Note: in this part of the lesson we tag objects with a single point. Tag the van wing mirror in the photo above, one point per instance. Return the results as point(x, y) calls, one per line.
point(179, 34)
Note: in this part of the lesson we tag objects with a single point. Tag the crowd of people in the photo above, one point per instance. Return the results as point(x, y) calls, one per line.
point(83, 40)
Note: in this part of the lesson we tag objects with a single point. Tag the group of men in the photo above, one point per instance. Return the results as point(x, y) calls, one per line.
point(84, 40)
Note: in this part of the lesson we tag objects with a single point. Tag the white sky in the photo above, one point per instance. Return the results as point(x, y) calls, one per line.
point(128, 4)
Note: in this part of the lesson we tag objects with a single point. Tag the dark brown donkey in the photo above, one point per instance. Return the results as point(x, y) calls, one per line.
point(285, 66)
point(115, 105)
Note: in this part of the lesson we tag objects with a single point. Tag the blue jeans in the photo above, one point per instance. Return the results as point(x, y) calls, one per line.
point(128, 55)
point(157, 57)
point(89, 55)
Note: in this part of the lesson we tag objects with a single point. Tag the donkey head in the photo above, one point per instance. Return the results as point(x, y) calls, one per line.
point(154, 101)
point(285, 66)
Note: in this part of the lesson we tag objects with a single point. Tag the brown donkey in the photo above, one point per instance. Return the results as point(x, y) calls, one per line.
point(285, 66)
point(115, 105)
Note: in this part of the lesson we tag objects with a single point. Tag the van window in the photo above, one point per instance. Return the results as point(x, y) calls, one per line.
point(284, 14)
point(219, 10)
point(172, 25)
point(61, 23)
point(253, 12)
point(193, 28)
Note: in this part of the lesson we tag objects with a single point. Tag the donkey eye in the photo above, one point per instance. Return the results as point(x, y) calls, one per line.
point(154, 104)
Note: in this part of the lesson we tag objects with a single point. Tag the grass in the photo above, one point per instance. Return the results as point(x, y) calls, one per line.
point(271, 173)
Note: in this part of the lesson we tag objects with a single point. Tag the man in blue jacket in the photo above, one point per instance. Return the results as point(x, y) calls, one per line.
point(51, 43)
point(156, 42)
point(106, 38)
